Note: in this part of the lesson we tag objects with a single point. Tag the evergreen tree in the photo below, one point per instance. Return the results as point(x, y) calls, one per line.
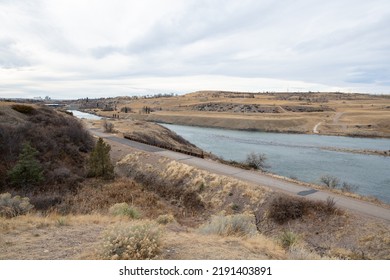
point(99, 164)
point(27, 171)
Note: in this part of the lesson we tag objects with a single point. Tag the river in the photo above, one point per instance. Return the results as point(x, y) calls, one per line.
point(302, 156)
point(82, 115)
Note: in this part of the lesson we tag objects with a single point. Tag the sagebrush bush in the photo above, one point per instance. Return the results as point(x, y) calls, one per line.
point(14, 206)
point(124, 209)
point(232, 225)
point(138, 241)
point(165, 219)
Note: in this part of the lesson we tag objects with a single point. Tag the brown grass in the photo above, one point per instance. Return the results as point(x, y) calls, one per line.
point(363, 115)
point(98, 196)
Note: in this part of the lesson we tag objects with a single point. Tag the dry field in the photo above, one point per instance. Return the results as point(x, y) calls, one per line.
point(323, 113)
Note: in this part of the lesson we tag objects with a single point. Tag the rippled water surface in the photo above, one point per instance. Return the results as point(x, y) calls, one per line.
point(302, 156)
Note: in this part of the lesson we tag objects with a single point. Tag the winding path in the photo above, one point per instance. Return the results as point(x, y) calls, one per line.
point(315, 129)
point(363, 207)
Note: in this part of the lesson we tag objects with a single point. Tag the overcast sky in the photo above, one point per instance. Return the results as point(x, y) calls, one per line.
point(80, 48)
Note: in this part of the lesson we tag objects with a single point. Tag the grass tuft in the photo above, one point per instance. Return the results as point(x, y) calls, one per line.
point(166, 219)
point(232, 225)
point(123, 209)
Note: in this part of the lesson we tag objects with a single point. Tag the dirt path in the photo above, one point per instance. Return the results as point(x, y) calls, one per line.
point(315, 129)
point(337, 117)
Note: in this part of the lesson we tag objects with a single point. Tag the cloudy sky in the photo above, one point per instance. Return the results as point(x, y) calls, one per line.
point(80, 48)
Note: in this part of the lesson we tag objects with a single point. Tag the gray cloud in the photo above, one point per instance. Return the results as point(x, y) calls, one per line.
point(324, 44)
point(10, 55)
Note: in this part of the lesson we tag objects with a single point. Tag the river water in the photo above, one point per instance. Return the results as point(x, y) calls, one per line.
point(82, 115)
point(301, 156)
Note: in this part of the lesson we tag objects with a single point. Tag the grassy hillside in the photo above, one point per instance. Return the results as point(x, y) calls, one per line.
point(156, 208)
point(59, 140)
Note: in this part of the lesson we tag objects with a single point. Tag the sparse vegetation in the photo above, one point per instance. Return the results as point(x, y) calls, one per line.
point(333, 182)
point(330, 181)
point(124, 209)
point(233, 225)
point(12, 206)
point(137, 241)
point(108, 126)
point(256, 161)
point(346, 187)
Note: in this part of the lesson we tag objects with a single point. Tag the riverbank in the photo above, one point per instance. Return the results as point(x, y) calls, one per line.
point(355, 115)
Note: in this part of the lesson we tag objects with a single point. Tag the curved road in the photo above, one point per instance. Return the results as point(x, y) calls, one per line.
point(363, 207)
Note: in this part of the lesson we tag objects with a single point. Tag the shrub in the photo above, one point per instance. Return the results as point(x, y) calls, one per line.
point(139, 241)
point(330, 181)
point(285, 208)
point(27, 170)
point(126, 109)
point(14, 206)
point(24, 109)
point(346, 187)
point(123, 209)
point(235, 225)
point(99, 164)
point(256, 161)
point(165, 219)
point(108, 127)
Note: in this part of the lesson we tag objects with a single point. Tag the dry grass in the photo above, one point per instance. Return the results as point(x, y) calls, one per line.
point(193, 189)
point(97, 196)
point(363, 115)
point(233, 225)
point(42, 237)
point(286, 208)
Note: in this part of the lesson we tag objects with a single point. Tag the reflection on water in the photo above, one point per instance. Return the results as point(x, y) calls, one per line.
point(302, 156)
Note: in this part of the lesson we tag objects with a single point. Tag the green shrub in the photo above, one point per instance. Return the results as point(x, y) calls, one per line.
point(14, 206)
point(24, 109)
point(165, 219)
point(233, 225)
point(123, 209)
point(99, 164)
point(139, 241)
